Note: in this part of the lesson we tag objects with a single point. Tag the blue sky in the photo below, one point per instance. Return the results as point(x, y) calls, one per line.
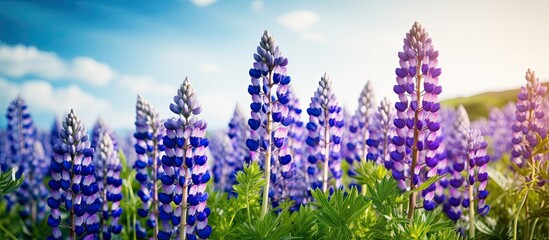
point(96, 56)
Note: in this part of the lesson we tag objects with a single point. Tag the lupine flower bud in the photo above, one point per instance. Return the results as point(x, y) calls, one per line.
point(149, 149)
point(417, 138)
point(73, 182)
point(325, 129)
point(529, 121)
point(185, 168)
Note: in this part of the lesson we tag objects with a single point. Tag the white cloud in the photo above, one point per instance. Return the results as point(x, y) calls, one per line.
point(301, 21)
point(91, 71)
point(20, 60)
point(298, 20)
point(202, 3)
point(43, 98)
point(23, 61)
point(146, 85)
point(257, 5)
point(210, 68)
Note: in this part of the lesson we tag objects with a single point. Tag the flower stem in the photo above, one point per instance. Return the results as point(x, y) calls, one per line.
point(471, 213)
point(268, 153)
point(183, 222)
point(155, 185)
point(415, 151)
point(326, 151)
point(517, 213)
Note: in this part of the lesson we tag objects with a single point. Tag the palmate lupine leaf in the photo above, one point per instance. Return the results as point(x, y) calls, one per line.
point(384, 195)
point(304, 225)
point(338, 211)
point(8, 182)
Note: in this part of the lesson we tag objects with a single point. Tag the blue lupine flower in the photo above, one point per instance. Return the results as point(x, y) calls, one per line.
point(185, 170)
point(269, 120)
point(112, 186)
point(149, 133)
point(27, 154)
point(417, 137)
point(73, 182)
point(325, 128)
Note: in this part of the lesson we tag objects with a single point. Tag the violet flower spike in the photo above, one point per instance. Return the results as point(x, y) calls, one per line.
point(529, 121)
point(149, 149)
point(112, 186)
point(269, 113)
point(185, 170)
point(73, 157)
point(417, 114)
point(325, 130)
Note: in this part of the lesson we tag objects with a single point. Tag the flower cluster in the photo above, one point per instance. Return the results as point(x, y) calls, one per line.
point(27, 154)
point(270, 118)
point(325, 128)
point(381, 128)
point(73, 182)
point(529, 121)
point(148, 148)
point(185, 168)
point(417, 135)
point(110, 187)
point(359, 128)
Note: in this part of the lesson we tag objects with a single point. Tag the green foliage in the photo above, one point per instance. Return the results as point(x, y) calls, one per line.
point(337, 213)
point(8, 182)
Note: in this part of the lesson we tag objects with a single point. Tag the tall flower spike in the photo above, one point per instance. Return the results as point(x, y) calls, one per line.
point(223, 162)
point(269, 113)
point(185, 170)
point(417, 138)
point(477, 162)
point(148, 147)
point(529, 121)
point(73, 182)
point(27, 154)
point(325, 129)
point(382, 127)
point(360, 129)
point(457, 148)
point(112, 186)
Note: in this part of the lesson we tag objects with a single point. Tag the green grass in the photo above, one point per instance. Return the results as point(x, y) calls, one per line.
point(479, 105)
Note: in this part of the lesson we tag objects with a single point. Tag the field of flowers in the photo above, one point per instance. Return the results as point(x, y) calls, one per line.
point(285, 168)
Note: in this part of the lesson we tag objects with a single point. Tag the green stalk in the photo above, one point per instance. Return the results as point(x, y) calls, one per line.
point(326, 151)
point(268, 153)
point(183, 223)
point(517, 213)
point(415, 151)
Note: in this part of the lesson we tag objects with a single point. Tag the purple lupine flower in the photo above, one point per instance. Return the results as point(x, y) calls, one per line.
point(324, 140)
point(221, 149)
point(297, 187)
point(110, 189)
point(382, 128)
point(500, 133)
point(148, 148)
point(185, 170)
point(99, 128)
point(238, 133)
point(477, 163)
point(359, 129)
point(529, 121)
point(27, 154)
point(73, 182)
point(269, 113)
point(457, 152)
point(417, 137)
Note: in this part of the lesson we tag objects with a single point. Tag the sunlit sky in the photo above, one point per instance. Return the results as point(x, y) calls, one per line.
point(96, 56)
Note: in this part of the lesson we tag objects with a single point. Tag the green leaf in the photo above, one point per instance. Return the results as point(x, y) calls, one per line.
point(425, 184)
point(8, 183)
point(337, 212)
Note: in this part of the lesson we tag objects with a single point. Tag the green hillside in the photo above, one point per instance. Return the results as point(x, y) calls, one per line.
point(478, 105)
